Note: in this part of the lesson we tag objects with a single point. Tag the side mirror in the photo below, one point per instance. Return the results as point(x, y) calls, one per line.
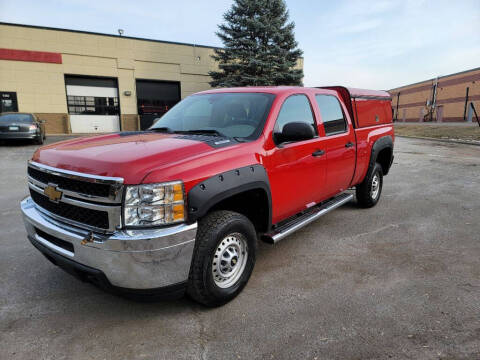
point(295, 131)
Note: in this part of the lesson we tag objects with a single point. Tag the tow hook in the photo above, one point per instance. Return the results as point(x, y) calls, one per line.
point(88, 239)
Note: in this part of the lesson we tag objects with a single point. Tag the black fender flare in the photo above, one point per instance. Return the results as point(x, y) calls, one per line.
point(203, 196)
point(384, 142)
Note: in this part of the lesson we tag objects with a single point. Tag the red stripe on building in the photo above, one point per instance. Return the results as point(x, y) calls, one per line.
point(415, 104)
point(34, 56)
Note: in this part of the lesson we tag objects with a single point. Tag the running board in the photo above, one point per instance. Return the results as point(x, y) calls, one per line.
point(306, 218)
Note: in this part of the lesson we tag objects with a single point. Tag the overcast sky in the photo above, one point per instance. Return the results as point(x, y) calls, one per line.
point(370, 44)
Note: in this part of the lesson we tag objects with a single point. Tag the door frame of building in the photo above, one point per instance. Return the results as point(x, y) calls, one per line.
point(9, 95)
point(115, 79)
point(156, 81)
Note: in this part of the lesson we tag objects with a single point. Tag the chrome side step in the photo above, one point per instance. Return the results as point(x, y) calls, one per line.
point(306, 218)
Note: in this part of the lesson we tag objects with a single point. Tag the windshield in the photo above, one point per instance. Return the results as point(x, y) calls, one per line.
point(19, 118)
point(236, 115)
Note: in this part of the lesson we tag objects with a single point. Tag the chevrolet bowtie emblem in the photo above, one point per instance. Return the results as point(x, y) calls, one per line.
point(52, 193)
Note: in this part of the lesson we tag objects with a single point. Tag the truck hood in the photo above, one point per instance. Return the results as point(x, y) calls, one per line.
point(131, 156)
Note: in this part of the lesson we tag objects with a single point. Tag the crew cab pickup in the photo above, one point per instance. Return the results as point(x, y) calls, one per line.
point(179, 208)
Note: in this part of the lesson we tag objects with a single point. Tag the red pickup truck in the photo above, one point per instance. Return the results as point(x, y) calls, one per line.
point(179, 208)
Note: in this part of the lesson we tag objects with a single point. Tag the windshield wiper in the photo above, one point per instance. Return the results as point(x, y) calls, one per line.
point(195, 131)
point(162, 129)
point(240, 139)
point(201, 131)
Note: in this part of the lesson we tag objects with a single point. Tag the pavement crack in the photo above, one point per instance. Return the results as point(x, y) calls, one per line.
point(374, 231)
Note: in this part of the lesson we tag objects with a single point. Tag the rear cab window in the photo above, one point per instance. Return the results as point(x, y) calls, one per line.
point(333, 118)
point(19, 118)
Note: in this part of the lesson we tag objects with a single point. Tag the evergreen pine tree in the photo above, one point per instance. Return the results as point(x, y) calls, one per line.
point(259, 46)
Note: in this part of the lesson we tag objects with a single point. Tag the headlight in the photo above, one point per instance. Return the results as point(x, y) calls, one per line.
point(154, 204)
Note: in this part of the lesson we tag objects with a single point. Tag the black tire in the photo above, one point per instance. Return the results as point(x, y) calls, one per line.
point(213, 230)
point(39, 140)
point(366, 198)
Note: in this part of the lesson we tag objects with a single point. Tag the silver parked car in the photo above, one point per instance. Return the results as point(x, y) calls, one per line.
point(21, 126)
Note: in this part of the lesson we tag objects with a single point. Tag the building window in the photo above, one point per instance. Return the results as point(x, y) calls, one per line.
point(92, 105)
point(8, 102)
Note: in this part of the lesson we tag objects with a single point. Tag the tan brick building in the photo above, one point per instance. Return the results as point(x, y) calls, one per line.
point(450, 98)
point(88, 82)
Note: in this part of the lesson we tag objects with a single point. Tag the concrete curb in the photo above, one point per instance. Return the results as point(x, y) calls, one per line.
point(475, 143)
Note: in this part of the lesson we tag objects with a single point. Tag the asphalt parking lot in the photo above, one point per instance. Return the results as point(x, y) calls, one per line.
point(400, 281)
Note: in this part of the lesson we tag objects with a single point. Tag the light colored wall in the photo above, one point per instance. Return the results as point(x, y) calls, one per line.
point(40, 87)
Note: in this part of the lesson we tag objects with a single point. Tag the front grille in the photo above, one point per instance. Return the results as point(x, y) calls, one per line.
point(65, 183)
point(91, 217)
point(55, 241)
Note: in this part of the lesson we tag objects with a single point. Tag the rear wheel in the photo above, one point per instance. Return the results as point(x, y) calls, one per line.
point(223, 258)
point(369, 191)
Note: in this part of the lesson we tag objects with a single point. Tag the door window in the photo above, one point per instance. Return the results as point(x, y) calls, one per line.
point(295, 108)
point(331, 112)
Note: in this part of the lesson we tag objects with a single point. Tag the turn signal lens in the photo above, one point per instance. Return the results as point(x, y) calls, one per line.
point(178, 212)
point(177, 192)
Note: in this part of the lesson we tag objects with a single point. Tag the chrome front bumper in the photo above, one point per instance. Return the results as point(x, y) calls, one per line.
point(129, 259)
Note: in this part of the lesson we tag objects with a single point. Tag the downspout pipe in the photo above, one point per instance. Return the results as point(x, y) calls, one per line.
point(466, 103)
point(398, 100)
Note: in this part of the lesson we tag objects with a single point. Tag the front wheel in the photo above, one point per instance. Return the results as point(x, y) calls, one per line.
point(223, 258)
point(369, 191)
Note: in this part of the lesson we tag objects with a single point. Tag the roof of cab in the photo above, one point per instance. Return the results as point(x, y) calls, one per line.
point(354, 92)
point(266, 89)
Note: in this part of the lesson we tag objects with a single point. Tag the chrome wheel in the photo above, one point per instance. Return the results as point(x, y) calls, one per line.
point(229, 260)
point(375, 187)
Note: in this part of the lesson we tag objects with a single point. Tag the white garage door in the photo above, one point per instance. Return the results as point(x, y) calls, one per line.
point(93, 109)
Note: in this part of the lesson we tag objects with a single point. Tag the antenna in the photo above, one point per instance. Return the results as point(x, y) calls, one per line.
point(120, 32)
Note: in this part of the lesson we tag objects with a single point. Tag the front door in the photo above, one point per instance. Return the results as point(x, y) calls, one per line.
point(8, 102)
point(340, 145)
point(296, 170)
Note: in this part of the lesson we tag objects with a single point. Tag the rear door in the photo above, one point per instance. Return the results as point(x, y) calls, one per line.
point(296, 169)
point(339, 143)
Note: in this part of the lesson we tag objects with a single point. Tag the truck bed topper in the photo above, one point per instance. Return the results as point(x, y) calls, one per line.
point(372, 105)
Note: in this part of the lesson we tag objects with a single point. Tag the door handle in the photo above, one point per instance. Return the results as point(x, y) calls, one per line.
point(317, 153)
point(349, 144)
